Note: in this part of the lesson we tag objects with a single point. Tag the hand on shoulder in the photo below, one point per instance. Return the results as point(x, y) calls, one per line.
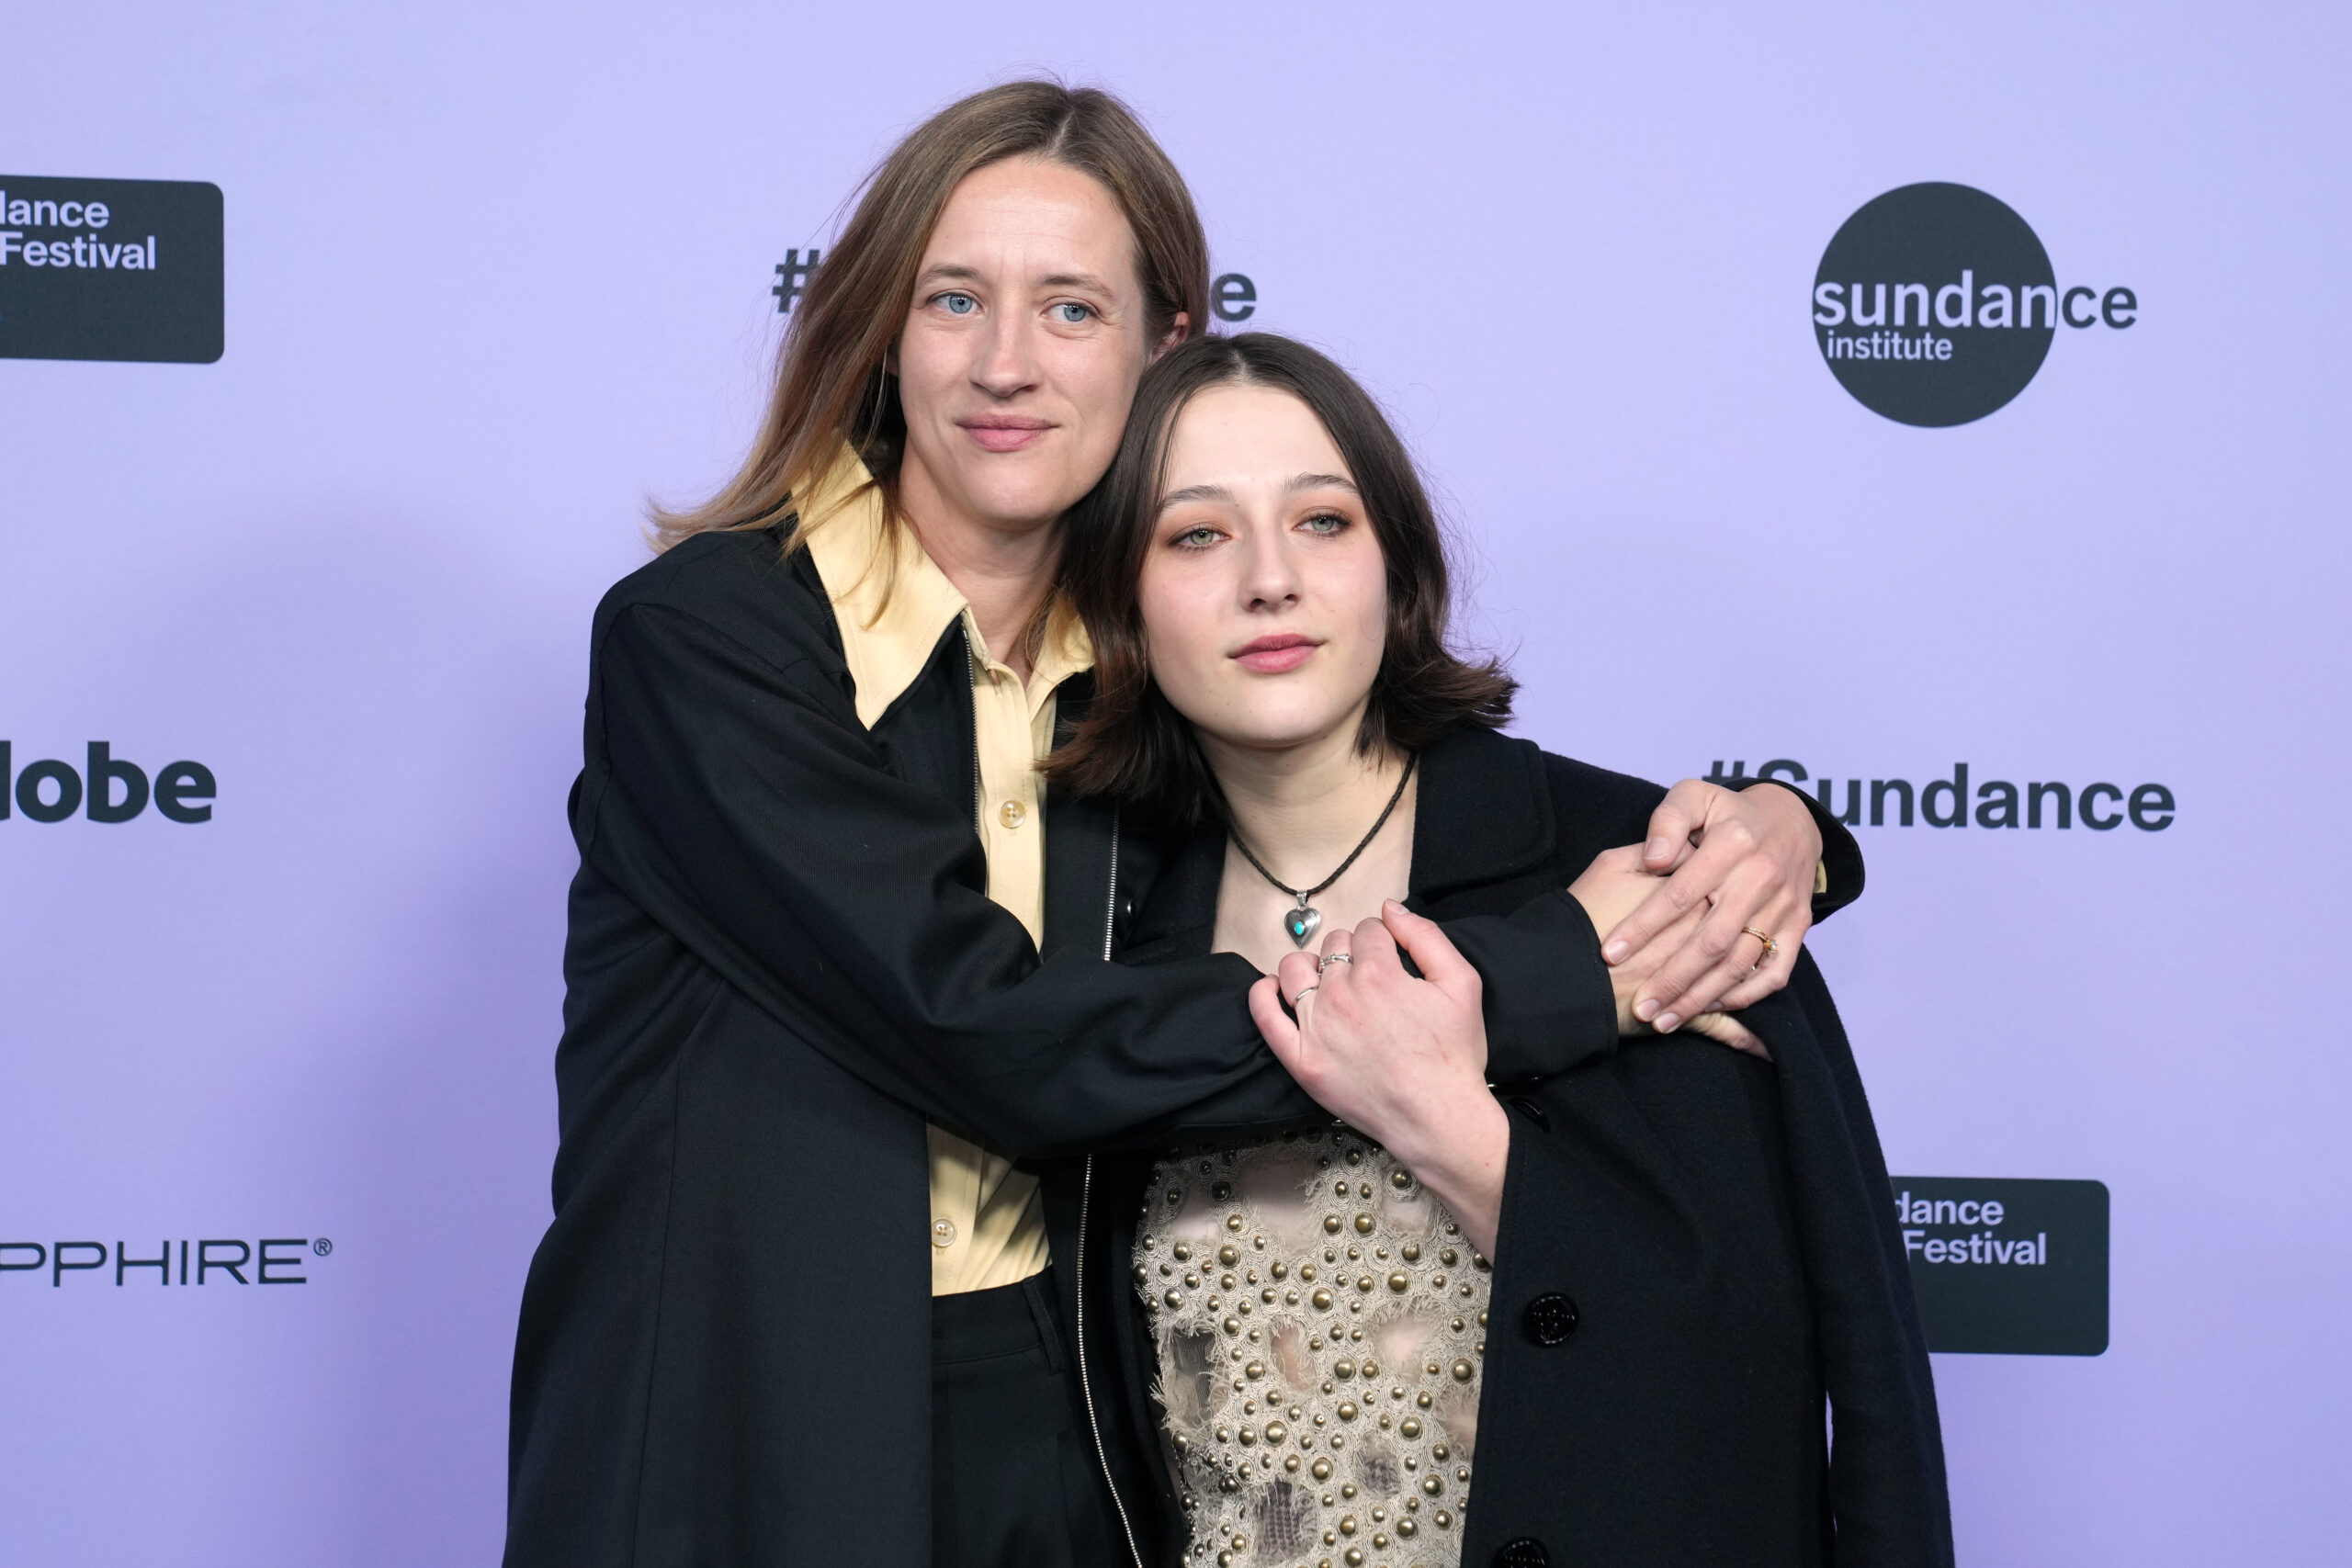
point(1728, 908)
point(1611, 889)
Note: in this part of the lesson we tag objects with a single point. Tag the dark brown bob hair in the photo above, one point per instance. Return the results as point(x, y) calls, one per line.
point(833, 384)
point(1133, 746)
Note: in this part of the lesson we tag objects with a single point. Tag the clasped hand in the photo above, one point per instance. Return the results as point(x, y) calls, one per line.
point(1402, 1059)
point(1614, 888)
point(1722, 866)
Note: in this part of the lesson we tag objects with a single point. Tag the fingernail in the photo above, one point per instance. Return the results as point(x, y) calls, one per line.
point(1647, 1009)
point(1658, 849)
point(1616, 951)
point(1667, 1022)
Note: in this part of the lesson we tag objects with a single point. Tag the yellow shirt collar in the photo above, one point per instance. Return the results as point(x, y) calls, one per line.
point(893, 602)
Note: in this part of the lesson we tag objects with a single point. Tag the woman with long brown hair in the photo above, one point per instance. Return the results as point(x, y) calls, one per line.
point(826, 977)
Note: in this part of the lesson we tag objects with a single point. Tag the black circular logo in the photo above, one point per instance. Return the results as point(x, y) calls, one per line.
point(1935, 304)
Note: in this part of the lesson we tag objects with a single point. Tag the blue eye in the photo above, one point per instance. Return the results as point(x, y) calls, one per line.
point(1194, 538)
point(957, 304)
point(1070, 313)
point(1325, 524)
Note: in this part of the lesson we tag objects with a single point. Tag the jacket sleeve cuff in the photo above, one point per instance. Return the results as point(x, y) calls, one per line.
point(1548, 1003)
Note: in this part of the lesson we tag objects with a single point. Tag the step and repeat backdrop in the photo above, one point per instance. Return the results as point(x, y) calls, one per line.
point(1942, 409)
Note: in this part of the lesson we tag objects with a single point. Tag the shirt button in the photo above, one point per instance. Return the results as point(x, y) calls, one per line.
point(943, 1232)
point(1012, 814)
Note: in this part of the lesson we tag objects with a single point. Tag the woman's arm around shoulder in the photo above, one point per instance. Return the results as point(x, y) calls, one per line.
point(731, 793)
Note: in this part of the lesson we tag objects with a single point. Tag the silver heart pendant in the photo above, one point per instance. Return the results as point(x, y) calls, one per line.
point(1302, 923)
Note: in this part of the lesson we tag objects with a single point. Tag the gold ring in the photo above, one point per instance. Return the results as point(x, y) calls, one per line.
point(1770, 947)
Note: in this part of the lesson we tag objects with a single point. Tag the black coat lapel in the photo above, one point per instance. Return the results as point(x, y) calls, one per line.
point(1484, 812)
point(1081, 837)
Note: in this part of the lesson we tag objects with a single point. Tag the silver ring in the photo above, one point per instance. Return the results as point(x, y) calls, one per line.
point(1331, 958)
point(1304, 995)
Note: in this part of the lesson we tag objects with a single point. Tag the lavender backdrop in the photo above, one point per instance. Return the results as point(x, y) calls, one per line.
point(496, 273)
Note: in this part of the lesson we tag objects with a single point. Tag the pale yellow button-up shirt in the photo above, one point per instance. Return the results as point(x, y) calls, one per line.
point(987, 1221)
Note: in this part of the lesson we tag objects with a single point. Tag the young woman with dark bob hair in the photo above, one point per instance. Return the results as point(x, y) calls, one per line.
point(836, 955)
point(1692, 1256)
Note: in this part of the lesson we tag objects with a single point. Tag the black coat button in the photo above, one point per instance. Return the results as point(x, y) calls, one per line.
point(1525, 1553)
point(1532, 1110)
point(1550, 1318)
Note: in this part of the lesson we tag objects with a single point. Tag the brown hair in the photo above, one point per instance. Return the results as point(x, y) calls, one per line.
point(832, 383)
point(1133, 746)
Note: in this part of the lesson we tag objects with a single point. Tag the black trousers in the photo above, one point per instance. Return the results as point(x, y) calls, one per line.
point(1014, 1478)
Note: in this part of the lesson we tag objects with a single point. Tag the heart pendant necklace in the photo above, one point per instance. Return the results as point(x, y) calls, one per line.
point(1301, 923)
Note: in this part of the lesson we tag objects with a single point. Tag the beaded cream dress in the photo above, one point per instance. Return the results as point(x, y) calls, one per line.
point(1319, 1321)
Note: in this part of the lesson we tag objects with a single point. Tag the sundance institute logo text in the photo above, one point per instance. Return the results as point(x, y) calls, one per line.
point(1935, 304)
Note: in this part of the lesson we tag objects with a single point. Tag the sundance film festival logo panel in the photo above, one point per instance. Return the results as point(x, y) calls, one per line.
point(1935, 304)
point(110, 269)
point(2007, 1267)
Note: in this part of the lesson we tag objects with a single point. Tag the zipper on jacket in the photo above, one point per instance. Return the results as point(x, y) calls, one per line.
point(1111, 903)
point(1085, 1204)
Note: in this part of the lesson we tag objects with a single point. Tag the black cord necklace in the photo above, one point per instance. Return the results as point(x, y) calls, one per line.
point(1301, 924)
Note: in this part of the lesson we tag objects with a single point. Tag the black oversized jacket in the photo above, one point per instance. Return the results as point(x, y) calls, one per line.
point(1696, 1248)
point(781, 964)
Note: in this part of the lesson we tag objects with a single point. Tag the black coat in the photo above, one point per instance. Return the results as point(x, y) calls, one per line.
point(1696, 1248)
point(781, 964)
